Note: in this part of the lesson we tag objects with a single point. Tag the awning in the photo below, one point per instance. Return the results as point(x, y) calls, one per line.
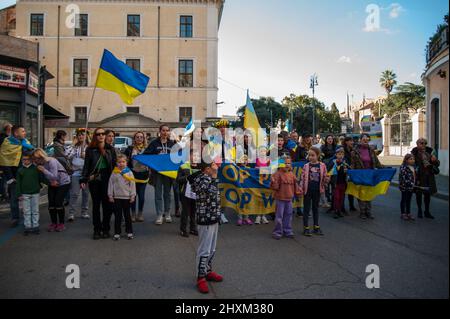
point(52, 114)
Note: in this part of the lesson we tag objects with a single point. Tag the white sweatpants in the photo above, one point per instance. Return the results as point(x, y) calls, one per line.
point(207, 239)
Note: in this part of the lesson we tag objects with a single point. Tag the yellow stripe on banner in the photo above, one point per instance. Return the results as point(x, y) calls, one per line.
point(171, 174)
point(250, 201)
point(109, 82)
point(367, 193)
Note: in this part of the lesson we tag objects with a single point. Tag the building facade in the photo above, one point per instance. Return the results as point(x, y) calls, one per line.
point(174, 42)
point(22, 87)
point(435, 80)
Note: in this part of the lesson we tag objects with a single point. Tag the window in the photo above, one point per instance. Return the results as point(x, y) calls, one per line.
point(133, 25)
point(186, 26)
point(80, 114)
point(185, 114)
point(133, 109)
point(80, 72)
point(401, 130)
point(134, 64)
point(37, 24)
point(81, 25)
point(185, 73)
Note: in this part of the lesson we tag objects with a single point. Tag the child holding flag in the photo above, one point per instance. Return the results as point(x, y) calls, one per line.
point(338, 170)
point(313, 181)
point(122, 192)
point(285, 187)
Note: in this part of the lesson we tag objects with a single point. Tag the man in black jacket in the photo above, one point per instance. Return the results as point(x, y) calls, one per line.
point(163, 184)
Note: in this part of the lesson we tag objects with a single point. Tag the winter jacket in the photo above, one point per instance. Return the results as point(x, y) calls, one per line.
point(304, 181)
point(207, 204)
point(284, 185)
point(357, 163)
point(28, 180)
point(407, 179)
point(425, 174)
point(55, 172)
point(121, 185)
point(91, 159)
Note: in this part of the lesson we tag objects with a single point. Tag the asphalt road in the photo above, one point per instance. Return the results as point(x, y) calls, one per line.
point(413, 258)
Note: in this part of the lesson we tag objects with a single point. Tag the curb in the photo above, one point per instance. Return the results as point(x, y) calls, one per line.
point(439, 195)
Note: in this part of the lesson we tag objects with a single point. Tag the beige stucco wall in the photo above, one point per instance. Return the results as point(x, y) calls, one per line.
point(107, 29)
point(437, 87)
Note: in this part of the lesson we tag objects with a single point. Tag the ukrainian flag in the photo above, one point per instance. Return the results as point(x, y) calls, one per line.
point(114, 75)
point(366, 184)
point(160, 163)
point(251, 120)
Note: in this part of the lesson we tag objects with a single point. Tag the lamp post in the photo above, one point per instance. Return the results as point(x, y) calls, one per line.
point(313, 84)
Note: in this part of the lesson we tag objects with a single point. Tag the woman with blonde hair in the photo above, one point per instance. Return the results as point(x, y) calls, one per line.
point(59, 184)
point(140, 172)
point(76, 154)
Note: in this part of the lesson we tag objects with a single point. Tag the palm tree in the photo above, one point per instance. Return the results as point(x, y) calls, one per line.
point(388, 81)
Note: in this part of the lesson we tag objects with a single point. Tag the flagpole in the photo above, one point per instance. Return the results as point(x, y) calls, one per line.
point(92, 99)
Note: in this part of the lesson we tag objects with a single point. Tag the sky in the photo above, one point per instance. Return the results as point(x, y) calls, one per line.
point(272, 47)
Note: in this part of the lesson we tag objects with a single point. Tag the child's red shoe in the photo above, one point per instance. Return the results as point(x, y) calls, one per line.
point(212, 276)
point(202, 285)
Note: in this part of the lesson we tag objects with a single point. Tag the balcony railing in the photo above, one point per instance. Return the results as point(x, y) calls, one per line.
point(438, 45)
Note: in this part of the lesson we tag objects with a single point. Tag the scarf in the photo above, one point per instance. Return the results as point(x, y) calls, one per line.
point(125, 174)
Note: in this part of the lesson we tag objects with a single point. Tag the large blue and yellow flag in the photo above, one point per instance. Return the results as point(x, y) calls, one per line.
point(114, 75)
point(160, 163)
point(366, 184)
point(251, 120)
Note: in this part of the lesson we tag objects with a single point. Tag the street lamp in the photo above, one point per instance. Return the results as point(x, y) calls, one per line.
point(313, 84)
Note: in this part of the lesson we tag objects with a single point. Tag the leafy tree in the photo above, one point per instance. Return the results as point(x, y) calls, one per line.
point(405, 97)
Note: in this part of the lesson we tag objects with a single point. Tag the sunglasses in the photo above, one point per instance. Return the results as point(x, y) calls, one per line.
point(100, 134)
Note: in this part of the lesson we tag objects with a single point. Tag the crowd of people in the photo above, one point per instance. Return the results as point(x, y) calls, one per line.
point(117, 184)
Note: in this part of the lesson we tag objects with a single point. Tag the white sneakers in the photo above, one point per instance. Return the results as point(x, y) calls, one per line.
point(159, 220)
point(261, 219)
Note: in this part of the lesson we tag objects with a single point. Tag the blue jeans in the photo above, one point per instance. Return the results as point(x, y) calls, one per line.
point(163, 184)
point(30, 206)
point(13, 201)
point(74, 193)
point(140, 198)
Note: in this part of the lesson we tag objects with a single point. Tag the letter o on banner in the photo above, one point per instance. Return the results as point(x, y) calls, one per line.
point(228, 196)
point(230, 173)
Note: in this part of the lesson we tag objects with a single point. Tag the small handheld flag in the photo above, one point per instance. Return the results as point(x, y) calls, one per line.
point(116, 76)
point(190, 128)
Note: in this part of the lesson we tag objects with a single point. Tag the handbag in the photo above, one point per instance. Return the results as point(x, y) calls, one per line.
point(95, 174)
